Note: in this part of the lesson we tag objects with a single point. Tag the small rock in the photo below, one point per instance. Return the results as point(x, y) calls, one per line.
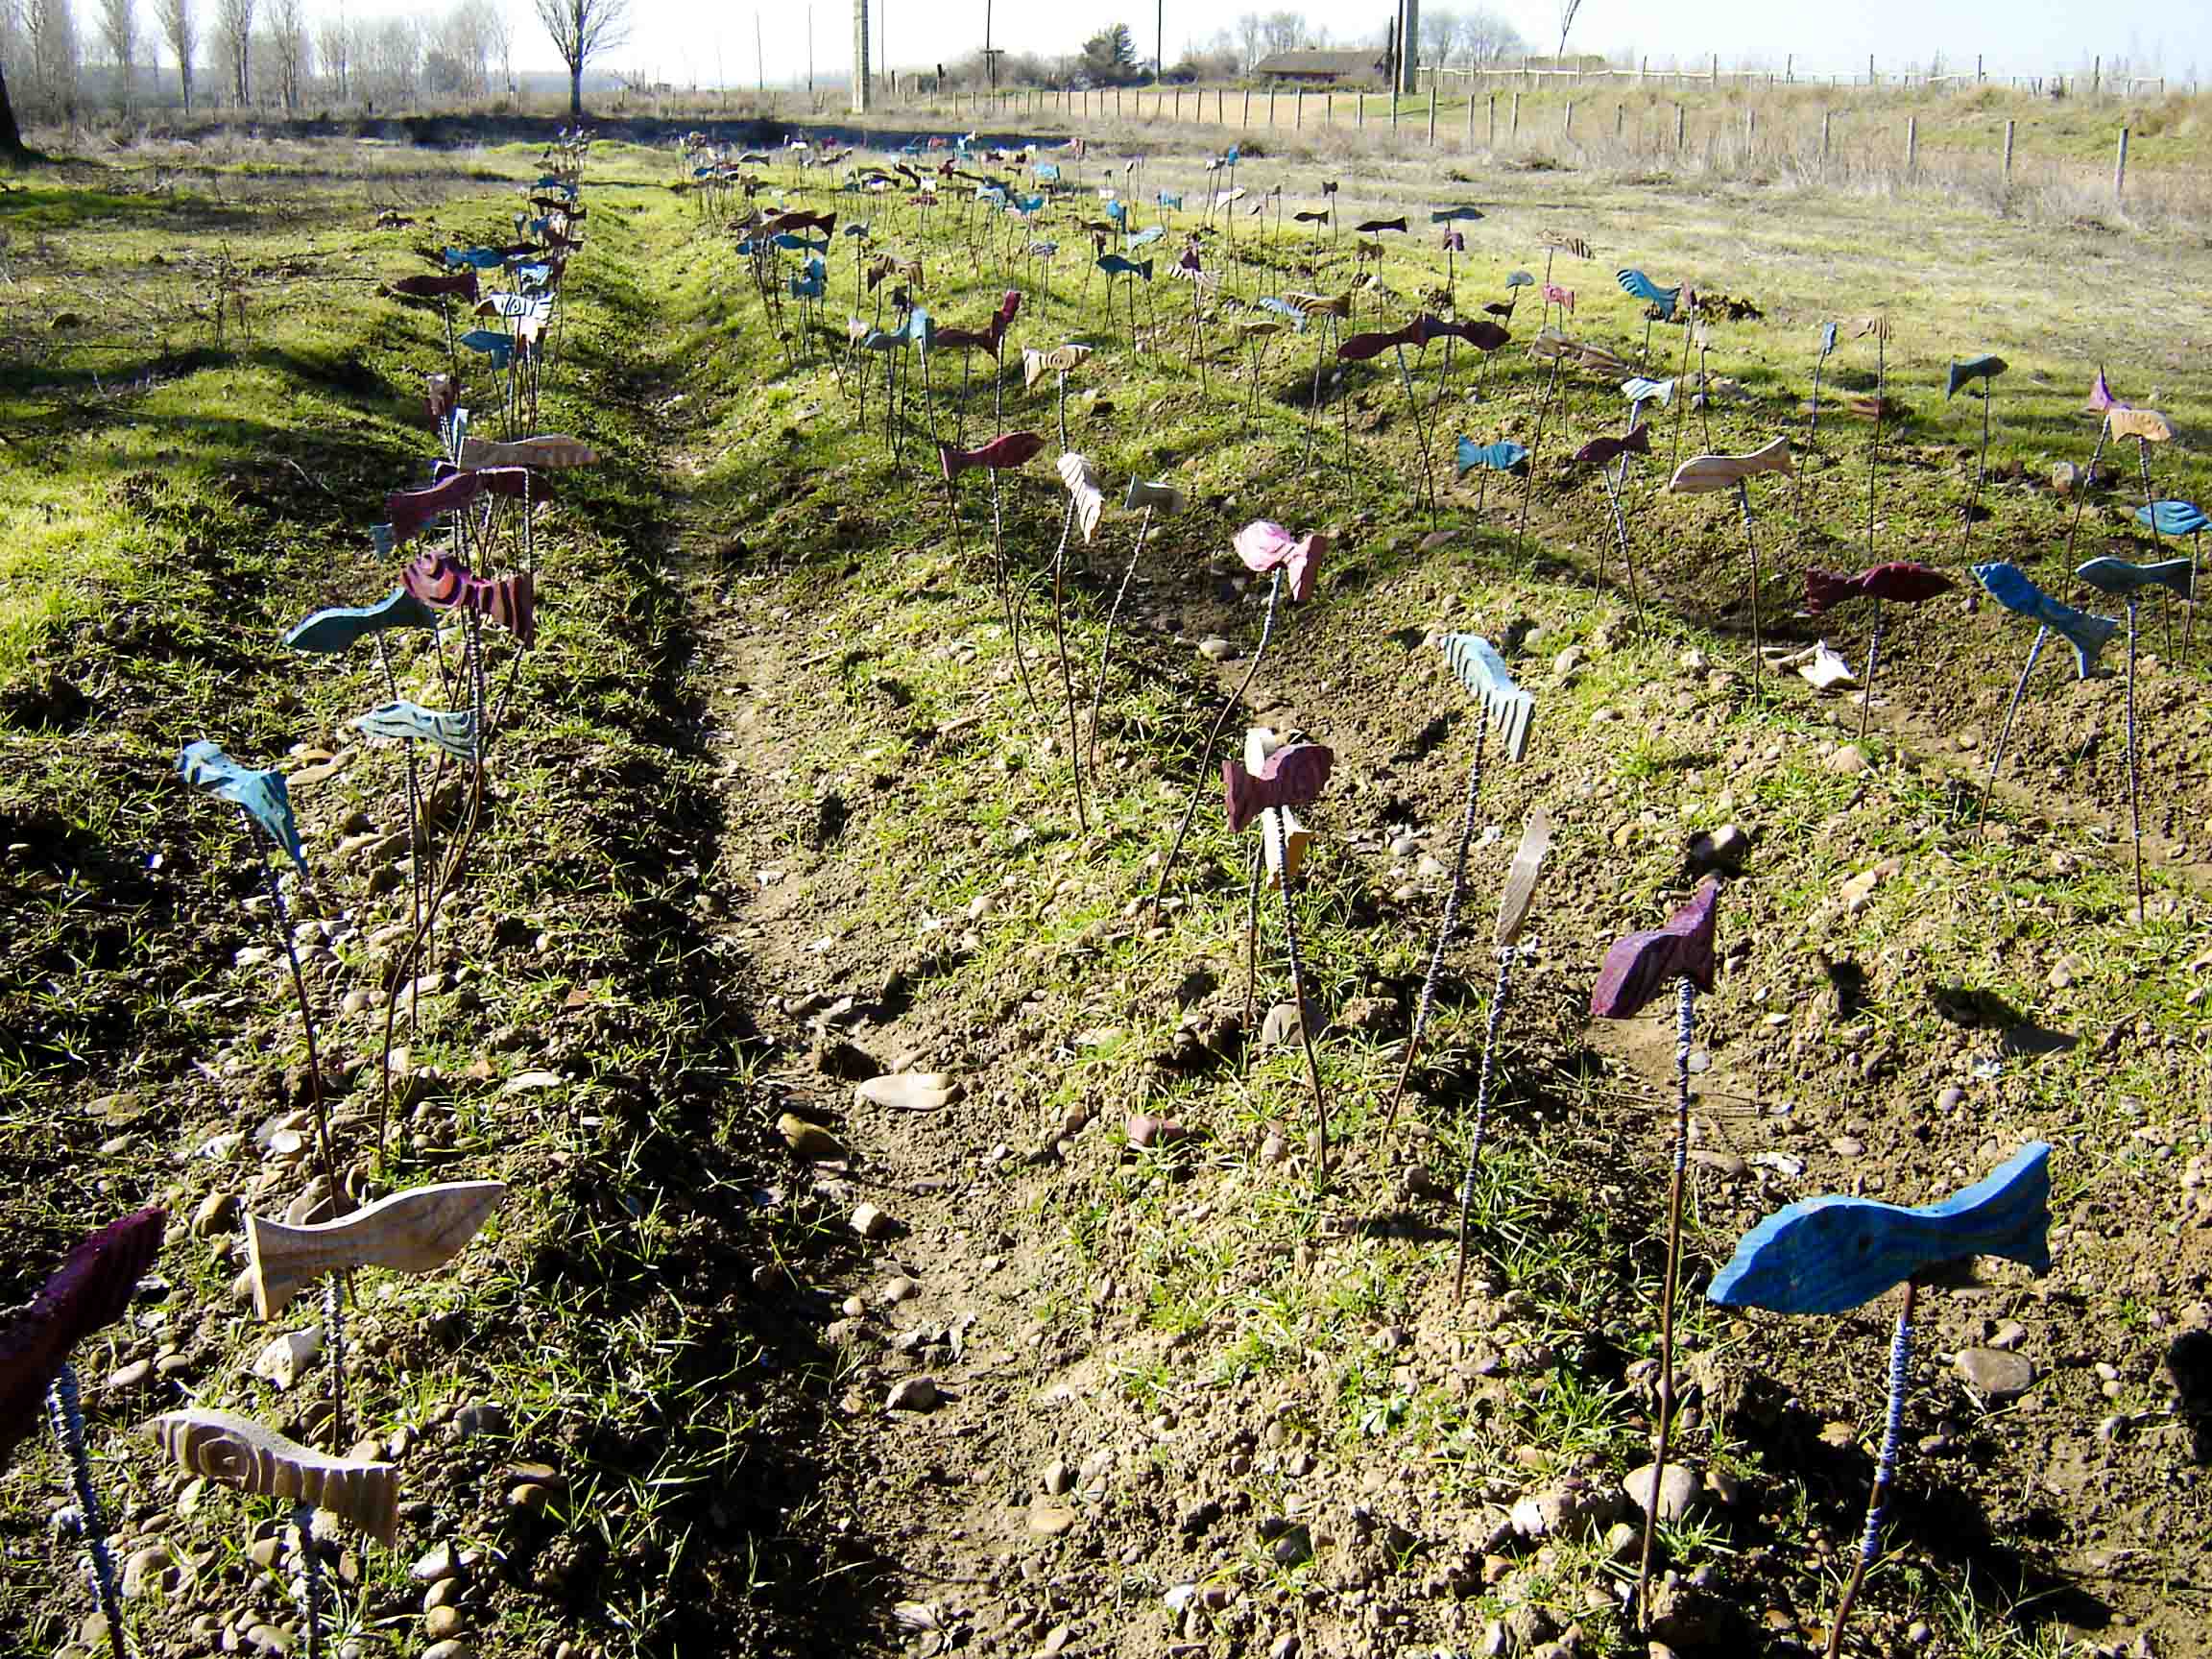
point(914, 1394)
point(271, 1639)
point(809, 1141)
point(2066, 477)
point(1677, 1491)
point(285, 1357)
point(483, 1417)
point(899, 1289)
point(1996, 1373)
point(1057, 1479)
point(2009, 1336)
point(1280, 1026)
point(1049, 1520)
point(1215, 649)
point(871, 1222)
point(436, 1563)
point(441, 1620)
point(150, 1569)
point(131, 1376)
point(1723, 849)
point(1146, 1130)
point(1848, 759)
point(218, 1212)
point(910, 1090)
point(530, 1496)
point(454, 1647)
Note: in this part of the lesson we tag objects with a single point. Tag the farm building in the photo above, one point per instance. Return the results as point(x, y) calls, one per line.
point(1365, 67)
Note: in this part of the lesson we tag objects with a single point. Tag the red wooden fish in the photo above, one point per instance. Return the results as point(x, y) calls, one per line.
point(440, 579)
point(987, 337)
point(461, 282)
point(1291, 776)
point(1903, 581)
point(1640, 964)
point(1601, 450)
point(1008, 449)
point(88, 1292)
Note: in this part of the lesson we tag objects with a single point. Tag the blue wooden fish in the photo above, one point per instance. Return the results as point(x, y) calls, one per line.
point(339, 627)
point(1831, 1255)
point(1284, 309)
point(1151, 234)
point(2009, 585)
point(1635, 282)
point(1114, 264)
point(747, 246)
point(482, 258)
point(204, 766)
point(1502, 456)
point(808, 287)
point(1483, 672)
point(454, 730)
point(1450, 215)
point(1118, 210)
point(1638, 390)
point(1028, 204)
point(2172, 517)
point(1520, 280)
point(792, 242)
point(494, 345)
point(857, 230)
point(917, 330)
point(2117, 576)
point(1827, 338)
point(1169, 199)
point(1973, 369)
point(1045, 172)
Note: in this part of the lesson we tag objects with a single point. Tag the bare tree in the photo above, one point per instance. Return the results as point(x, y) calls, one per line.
point(391, 59)
point(50, 42)
point(581, 30)
point(1438, 33)
point(1484, 37)
point(234, 45)
point(182, 30)
point(1284, 31)
point(499, 41)
point(1567, 10)
point(119, 34)
point(334, 54)
point(288, 49)
point(1249, 32)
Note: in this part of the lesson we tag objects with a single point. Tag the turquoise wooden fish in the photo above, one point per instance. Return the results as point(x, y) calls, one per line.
point(482, 258)
point(204, 766)
point(1520, 280)
point(2009, 585)
point(1638, 390)
point(1973, 369)
point(1830, 1255)
point(2172, 517)
point(1634, 281)
point(1502, 456)
point(454, 730)
point(1483, 672)
point(1453, 215)
point(919, 330)
point(1169, 199)
point(1151, 234)
point(342, 627)
point(1114, 264)
point(496, 346)
point(2118, 577)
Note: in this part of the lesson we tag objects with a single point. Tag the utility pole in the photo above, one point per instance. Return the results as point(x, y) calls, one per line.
point(862, 99)
point(1408, 46)
point(760, 65)
point(809, 54)
point(1159, 41)
point(989, 63)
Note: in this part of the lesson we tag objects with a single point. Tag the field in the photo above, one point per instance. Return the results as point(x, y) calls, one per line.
point(786, 806)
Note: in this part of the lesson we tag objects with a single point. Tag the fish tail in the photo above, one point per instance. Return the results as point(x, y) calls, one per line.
point(2010, 1211)
point(1825, 588)
point(2088, 634)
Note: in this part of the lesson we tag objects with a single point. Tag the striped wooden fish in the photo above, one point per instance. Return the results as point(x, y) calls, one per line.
point(440, 579)
point(1483, 672)
point(453, 730)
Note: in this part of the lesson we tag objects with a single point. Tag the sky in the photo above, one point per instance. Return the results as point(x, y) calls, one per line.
point(712, 42)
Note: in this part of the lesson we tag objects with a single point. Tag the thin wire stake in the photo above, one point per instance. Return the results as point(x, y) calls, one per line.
point(1444, 931)
point(306, 1015)
point(1106, 643)
point(1757, 641)
point(1500, 995)
point(1885, 1468)
point(334, 1341)
point(1067, 675)
point(1873, 662)
point(1685, 1029)
point(1213, 737)
point(1298, 998)
point(2004, 732)
point(65, 1411)
point(310, 1579)
point(2134, 777)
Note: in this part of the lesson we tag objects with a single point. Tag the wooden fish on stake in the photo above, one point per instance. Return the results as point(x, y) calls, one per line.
point(452, 730)
point(442, 581)
point(416, 1231)
point(88, 1292)
point(261, 793)
point(546, 452)
point(341, 627)
point(234, 1450)
point(1902, 580)
point(1701, 474)
point(1826, 1256)
point(2127, 581)
point(2009, 585)
point(2172, 517)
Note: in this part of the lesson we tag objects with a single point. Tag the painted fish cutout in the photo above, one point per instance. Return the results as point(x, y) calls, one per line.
point(452, 730)
point(1973, 369)
point(1833, 1254)
point(1635, 282)
point(1502, 456)
point(409, 511)
point(1563, 298)
point(1638, 390)
point(547, 451)
point(496, 346)
point(1451, 215)
point(1598, 451)
point(1008, 449)
point(1145, 237)
point(2172, 517)
point(1640, 965)
point(1510, 710)
point(1114, 264)
point(1169, 199)
point(1827, 338)
point(1164, 499)
point(234, 1450)
point(988, 337)
point(88, 1292)
point(1520, 280)
point(808, 287)
point(1454, 242)
point(2118, 577)
point(2100, 396)
point(1036, 364)
point(2009, 585)
point(512, 305)
point(342, 627)
point(1264, 547)
point(1903, 581)
point(1284, 309)
point(1084, 489)
point(2147, 424)
point(416, 1231)
point(1322, 304)
point(1599, 359)
point(440, 579)
point(481, 258)
point(1292, 775)
point(1703, 475)
point(1313, 216)
point(1375, 226)
point(204, 766)
point(1519, 892)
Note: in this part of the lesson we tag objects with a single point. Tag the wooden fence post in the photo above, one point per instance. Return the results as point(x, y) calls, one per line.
point(1358, 109)
point(1825, 116)
point(1298, 109)
point(1750, 132)
point(1515, 131)
point(1432, 111)
point(1681, 128)
point(1245, 124)
point(2009, 154)
point(1912, 146)
point(1490, 142)
point(1469, 144)
point(2120, 168)
point(1567, 120)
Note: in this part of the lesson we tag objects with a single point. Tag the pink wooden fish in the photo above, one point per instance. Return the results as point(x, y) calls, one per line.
point(440, 579)
point(1265, 546)
point(88, 1292)
point(1292, 775)
point(1903, 581)
point(1639, 965)
point(1008, 449)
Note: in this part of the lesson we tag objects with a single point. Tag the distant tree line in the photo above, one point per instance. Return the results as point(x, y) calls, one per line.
point(129, 57)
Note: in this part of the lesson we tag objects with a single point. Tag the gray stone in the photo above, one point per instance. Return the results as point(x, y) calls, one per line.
point(436, 1563)
point(131, 1376)
point(150, 1569)
point(1677, 1491)
point(914, 1394)
point(1995, 1373)
point(1723, 849)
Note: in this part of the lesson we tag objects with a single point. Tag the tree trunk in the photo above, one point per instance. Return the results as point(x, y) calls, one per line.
point(10, 135)
point(185, 82)
point(575, 92)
